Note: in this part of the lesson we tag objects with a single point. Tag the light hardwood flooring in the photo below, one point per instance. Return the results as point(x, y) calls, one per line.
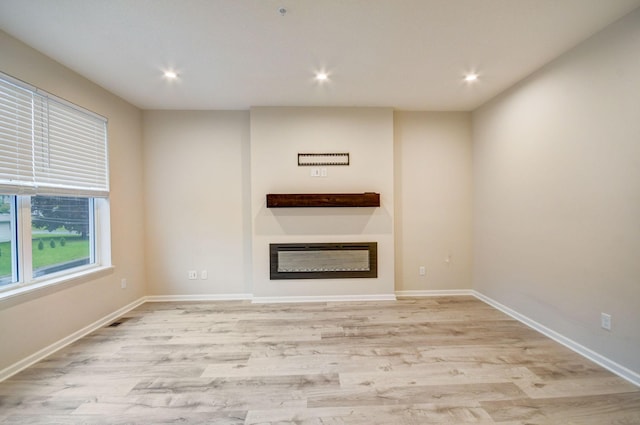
point(448, 360)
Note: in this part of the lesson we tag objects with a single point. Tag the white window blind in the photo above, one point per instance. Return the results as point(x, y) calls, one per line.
point(16, 138)
point(48, 146)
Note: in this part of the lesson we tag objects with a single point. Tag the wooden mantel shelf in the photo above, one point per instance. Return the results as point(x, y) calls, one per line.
point(307, 200)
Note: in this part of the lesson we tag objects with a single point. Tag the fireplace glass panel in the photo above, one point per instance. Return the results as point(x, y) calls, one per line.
point(324, 260)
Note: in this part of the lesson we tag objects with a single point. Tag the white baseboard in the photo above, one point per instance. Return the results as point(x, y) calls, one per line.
point(434, 293)
point(201, 297)
point(603, 361)
point(39, 355)
point(323, 298)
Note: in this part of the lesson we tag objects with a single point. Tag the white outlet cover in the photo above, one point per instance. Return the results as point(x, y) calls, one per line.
point(605, 321)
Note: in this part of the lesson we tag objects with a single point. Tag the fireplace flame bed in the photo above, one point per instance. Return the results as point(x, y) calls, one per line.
point(324, 260)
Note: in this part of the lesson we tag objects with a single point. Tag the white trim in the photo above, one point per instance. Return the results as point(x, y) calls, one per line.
point(201, 297)
point(435, 293)
point(323, 298)
point(19, 366)
point(599, 359)
point(24, 292)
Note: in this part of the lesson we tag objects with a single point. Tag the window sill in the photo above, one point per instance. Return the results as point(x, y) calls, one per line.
point(46, 286)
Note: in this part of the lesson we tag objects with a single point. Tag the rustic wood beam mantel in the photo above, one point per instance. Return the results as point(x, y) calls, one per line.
point(310, 200)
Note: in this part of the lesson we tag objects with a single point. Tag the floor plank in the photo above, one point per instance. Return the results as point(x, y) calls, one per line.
point(446, 360)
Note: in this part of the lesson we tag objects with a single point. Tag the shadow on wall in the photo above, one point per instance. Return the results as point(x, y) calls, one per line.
point(323, 221)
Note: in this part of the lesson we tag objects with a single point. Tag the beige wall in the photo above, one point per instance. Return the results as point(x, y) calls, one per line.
point(277, 136)
point(433, 200)
point(196, 196)
point(202, 217)
point(557, 194)
point(30, 323)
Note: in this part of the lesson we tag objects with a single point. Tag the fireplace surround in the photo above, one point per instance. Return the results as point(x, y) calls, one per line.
point(338, 260)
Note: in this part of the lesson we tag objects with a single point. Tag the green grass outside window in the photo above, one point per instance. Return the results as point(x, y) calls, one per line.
point(74, 248)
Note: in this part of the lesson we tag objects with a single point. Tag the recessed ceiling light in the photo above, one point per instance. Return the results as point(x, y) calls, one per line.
point(170, 75)
point(322, 76)
point(471, 77)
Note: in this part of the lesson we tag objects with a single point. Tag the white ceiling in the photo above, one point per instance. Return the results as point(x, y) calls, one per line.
point(234, 54)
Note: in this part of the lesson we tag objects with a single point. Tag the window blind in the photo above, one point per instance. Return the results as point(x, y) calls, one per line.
point(49, 146)
point(16, 138)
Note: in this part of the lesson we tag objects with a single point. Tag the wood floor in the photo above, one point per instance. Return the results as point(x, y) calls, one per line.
point(415, 361)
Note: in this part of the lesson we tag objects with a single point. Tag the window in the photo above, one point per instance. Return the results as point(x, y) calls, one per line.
point(53, 187)
point(61, 234)
point(8, 270)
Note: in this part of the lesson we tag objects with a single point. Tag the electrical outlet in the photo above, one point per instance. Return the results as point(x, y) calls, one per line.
point(123, 283)
point(204, 274)
point(193, 274)
point(605, 321)
point(422, 271)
